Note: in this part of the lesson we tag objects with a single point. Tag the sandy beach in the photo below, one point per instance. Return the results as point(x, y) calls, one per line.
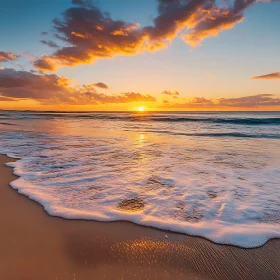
point(36, 246)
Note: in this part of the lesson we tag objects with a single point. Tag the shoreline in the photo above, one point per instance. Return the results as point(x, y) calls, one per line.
point(164, 229)
point(35, 245)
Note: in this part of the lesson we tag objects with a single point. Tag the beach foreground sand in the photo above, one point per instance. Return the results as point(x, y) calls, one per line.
point(34, 245)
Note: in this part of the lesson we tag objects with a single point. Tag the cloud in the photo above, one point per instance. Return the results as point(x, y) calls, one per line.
point(49, 43)
point(3, 98)
point(213, 19)
point(89, 34)
point(45, 64)
point(172, 17)
point(50, 89)
point(259, 100)
point(126, 97)
point(271, 76)
point(209, 74)
point(101, 85)
point(171, 93)
point(8, 56)
point(253, 101)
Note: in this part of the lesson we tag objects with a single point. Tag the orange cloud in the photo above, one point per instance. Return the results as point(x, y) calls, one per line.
point(45, 63)
point(212, 21)
point(8, 56)
point(253, 101)
point(271, 76)
point(91, 34)
point(3, 98)
point(171, 93)
point(209, 74)
point(50, 89)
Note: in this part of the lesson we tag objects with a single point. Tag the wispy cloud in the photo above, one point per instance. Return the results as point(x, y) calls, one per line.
point(171, 93)
point(271, 76)
point(259, 100)
point(50, 89)
point(49, 43)
point(91, 34)
point(8, 56)
point(209, 74)
point(253, 101)
point(3, 98)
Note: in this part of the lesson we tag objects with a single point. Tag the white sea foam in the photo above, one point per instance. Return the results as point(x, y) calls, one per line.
point(223, 188)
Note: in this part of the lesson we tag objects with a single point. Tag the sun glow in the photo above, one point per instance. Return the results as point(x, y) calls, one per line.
point(141, 109)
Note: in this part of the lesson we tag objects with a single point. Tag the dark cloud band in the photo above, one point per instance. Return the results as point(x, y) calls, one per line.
point(51, 89)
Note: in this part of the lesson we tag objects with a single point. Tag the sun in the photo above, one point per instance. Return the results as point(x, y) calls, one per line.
point(141, 109)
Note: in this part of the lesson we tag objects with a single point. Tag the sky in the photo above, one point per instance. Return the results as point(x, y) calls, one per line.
point(126, 54)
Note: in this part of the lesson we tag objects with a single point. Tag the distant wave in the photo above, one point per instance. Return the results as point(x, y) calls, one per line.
point(249, 121)
point(237, 121)
point(150, 117)
point(6, 123)
point(222, 134)
point(240, 135)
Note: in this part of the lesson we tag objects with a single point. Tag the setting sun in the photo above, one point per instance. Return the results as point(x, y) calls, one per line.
point(141, 109)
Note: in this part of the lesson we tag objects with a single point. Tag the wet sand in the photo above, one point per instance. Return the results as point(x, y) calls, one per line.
point(34, 245)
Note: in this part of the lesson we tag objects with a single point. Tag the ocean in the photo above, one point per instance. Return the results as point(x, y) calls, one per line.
point(214, 175)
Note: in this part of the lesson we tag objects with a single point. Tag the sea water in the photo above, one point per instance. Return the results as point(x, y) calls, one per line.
point(215, 175)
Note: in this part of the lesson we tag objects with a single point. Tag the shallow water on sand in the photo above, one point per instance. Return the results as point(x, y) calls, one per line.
point(208, 174)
